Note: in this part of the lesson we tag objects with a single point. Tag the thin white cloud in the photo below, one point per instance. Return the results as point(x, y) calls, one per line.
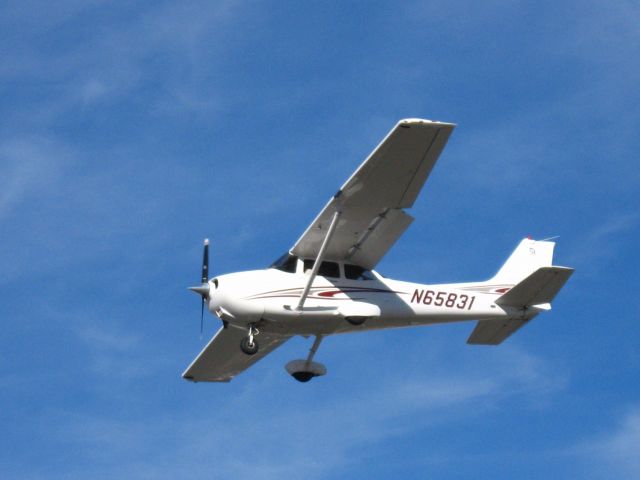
point(29, 166)
point(621, 450)
point(100, 338)
point(583, 135)
point(244, 432)
point(111, 351)
point(612, 454)
point(112, 64)
point(592, 249)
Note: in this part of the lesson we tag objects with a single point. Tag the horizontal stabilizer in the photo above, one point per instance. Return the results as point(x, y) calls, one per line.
point(539, 287)
point(494, 332)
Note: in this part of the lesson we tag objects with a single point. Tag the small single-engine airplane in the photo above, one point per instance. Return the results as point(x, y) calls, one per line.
point(326, 283)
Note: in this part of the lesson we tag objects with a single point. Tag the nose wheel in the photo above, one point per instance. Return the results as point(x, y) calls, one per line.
point(249, 345)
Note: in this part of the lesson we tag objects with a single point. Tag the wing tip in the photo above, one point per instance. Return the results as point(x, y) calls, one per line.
point(191, 379)
point(418, 121)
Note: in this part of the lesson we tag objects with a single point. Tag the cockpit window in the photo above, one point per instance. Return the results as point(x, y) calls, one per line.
point(354, 272)
point(286, 263)
point(327, 269)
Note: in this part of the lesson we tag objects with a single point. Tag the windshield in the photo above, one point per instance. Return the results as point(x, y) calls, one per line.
point(286, 263)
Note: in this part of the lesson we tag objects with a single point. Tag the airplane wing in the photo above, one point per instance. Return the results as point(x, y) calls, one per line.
point(373, 200)
point(222, 359)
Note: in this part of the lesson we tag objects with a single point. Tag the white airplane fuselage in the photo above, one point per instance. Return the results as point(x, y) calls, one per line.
point(269, 298)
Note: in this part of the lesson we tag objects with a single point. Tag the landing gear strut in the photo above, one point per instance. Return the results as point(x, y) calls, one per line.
point(305, 370)
point(249, 344)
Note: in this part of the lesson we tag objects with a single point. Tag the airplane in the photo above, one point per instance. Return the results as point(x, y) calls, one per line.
point(326, 283)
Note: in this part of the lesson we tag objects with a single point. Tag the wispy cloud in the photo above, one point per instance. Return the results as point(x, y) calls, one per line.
point(593, 248)
point(319, 437)
point(621, 449)
point(30, 166)
point(175, 44)
point(612, 454)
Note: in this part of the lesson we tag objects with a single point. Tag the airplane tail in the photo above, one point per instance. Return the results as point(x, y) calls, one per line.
point(527, 279)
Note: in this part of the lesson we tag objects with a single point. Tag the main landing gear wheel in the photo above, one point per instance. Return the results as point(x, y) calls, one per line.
point(249, 348)
point(356, 321)
point(303, 376)
point(248, 344)
point(305, 370)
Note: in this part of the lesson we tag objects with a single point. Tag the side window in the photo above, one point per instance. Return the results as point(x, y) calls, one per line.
point(354, 272)
point(308, 265)
point(327, 269)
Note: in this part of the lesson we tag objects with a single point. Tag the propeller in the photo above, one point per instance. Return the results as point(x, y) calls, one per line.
point(203, 289)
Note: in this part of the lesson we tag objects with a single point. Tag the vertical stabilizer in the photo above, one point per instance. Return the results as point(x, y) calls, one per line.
point(529, 256)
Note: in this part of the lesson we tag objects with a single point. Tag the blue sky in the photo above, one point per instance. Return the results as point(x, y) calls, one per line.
point(131, 131)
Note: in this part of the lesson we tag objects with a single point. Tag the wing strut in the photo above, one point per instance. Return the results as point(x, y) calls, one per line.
point(319, 258)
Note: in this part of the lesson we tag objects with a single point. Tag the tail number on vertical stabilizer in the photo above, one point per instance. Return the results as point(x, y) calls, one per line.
point(440, 299)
